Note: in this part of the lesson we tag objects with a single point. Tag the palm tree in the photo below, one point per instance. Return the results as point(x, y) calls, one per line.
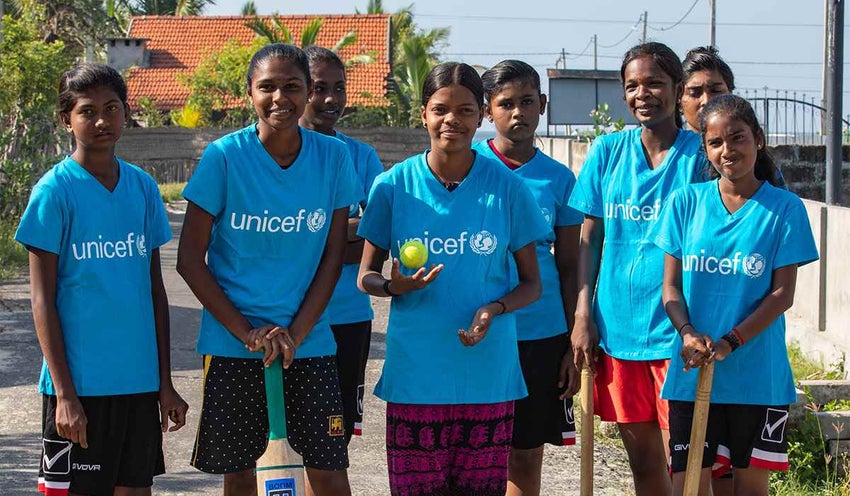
point(278, 32)
point(249, 8)
point(168, 7)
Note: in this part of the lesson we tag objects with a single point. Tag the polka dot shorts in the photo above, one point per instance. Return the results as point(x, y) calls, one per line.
point(233, 428)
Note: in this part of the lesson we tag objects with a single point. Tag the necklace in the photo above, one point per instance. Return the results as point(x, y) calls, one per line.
point(448, 184)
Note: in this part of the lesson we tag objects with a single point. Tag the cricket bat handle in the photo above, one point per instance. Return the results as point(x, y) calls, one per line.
point(698, 426)
point(586, 400)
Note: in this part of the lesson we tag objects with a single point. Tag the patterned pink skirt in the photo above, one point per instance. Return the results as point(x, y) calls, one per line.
point(449, 450)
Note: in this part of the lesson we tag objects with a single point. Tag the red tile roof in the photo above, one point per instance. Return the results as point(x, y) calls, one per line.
point(179, 44)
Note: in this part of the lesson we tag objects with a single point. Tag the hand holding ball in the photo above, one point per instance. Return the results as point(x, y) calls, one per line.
point(413, 254)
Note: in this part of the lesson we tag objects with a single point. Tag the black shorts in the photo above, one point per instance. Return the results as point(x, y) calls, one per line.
point(736, 436)
point(125, 446)
point(352, 353)
point(233, 430)
point(542, 417)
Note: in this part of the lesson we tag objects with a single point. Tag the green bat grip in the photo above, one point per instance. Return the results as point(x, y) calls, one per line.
point(274, 400)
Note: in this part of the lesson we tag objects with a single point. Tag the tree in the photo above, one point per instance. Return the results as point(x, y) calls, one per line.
point(168, 7)
point(249, 8)
point(277, 32)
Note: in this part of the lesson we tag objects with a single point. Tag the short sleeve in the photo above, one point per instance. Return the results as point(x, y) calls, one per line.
point(160, 229)
point(587, 194)
point(207, 188)
point(667, 233)
point(374, 168)
point(796, 242)
point(567, 215)
point(43, 223)
point(348, 191)
point(527, 221)
point(376, 223)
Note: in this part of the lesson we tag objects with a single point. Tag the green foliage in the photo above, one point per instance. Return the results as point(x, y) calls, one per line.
point(277, 32)
point(171, 192)
point(603, 123)
point(149, 113)
point(188, 116)
point(806, 369)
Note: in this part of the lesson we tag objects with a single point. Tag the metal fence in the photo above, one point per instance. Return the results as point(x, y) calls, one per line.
point(789, 118)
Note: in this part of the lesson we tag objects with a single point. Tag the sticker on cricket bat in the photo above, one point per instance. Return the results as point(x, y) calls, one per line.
point(280, 487)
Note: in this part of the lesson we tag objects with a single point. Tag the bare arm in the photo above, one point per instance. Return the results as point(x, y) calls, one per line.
point(171, 404)
point(371, 281)
point(696, 346)
point(584, 336)
point(71, 420)
point(354, 243)
point(566, 260)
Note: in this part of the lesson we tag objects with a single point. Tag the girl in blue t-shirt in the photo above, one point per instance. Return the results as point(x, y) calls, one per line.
point(262, 248)
point(452, 369)
point(514, 104)
point(732, 247)
point(93, 227)
point(625, 180)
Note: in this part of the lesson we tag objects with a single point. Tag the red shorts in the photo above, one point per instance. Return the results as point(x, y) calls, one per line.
point(629, 391)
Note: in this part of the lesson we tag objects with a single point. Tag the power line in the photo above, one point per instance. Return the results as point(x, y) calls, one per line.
point(583, 51)
point(631, 31)
point(679, 21)
point(616, 21)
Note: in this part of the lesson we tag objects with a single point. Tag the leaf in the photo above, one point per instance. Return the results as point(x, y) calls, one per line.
point(311, 32)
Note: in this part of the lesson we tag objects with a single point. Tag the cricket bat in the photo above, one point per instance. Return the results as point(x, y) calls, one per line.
point(698, 426)
point(586, 400)
point(280, 470)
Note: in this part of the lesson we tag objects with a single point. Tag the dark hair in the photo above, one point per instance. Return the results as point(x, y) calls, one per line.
point(280, 51)
point(707, 59)
point(506, 71)
point(87, 76)
point(736, 108)
point(449, 73)
point(665, 58)
point(317, 54)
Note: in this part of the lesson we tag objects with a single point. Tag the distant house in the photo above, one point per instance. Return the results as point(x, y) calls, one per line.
point(159, 48)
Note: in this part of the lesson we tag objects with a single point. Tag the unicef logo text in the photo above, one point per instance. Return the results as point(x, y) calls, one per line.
point(268, 223)
point(109, 249)
point(483, 243)
point(751, 265)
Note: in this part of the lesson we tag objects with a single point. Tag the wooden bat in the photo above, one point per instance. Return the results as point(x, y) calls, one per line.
point(586, 400)
point(698, 426)
point(280, 471)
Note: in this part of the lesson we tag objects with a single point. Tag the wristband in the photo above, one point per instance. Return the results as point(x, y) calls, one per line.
point(738, 335)
point(683, 326)
point(501, 304)
point(732, 339)
point(387, 288)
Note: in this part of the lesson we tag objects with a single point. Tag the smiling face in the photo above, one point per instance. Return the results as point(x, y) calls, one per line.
point(451, 115)
point(515, 110)
point(649, 92)
point(700, 87)
point(96, 119)
point(327, 98)
point(731, 146)
point(279, 93)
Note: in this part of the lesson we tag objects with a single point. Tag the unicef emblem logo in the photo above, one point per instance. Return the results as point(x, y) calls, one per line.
point(546, 215)
point(483, 243)
point(140, 246)
point(316, 220)
point(753, 265)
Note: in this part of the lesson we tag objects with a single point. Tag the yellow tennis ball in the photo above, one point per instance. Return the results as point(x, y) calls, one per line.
point(413, 254)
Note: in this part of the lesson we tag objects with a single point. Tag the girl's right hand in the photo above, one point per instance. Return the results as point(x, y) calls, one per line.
point(71, 420)
point(697, 349)
point(585, 341)
point(402, 284)
point(273, 341)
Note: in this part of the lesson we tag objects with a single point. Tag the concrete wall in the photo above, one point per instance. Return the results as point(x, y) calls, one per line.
point(171, 153)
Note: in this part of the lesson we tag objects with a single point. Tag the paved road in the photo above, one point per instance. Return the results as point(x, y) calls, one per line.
point(20, 406)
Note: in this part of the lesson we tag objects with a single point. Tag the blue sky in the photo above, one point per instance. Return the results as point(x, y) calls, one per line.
point(776, 44)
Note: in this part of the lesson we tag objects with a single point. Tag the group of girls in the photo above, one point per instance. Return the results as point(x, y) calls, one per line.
point(532, 276)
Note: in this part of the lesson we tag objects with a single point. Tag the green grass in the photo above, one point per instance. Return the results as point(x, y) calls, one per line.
point(171, 192)
point(807, 369)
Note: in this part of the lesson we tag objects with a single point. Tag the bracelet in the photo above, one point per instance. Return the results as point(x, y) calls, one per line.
point(501, 304)
point(738, 335)
point(683, 326)
point(732, 339)
point(387, 288)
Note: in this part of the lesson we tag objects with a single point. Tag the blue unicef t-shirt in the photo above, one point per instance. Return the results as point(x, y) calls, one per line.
point(473, 231)
point(617, 185)
point(103, 285)
point(727, 264)
point(348, 304)
point(551, 184)
point(269, 232)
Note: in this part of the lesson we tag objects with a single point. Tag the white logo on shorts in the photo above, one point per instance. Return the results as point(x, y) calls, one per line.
point(360, 390)
point(316, 220)
point(57, 457)
point(569, 412)
point(774, 425)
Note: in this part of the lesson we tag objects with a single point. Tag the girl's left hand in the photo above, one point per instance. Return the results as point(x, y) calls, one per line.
point(480, 325)
point(697, 349)
point(171, 407)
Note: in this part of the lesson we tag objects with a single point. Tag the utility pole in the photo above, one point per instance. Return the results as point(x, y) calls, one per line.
point(712, 41)
point(594, 52)
point(834, 86)
point(826, 5)
point(645, 14)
